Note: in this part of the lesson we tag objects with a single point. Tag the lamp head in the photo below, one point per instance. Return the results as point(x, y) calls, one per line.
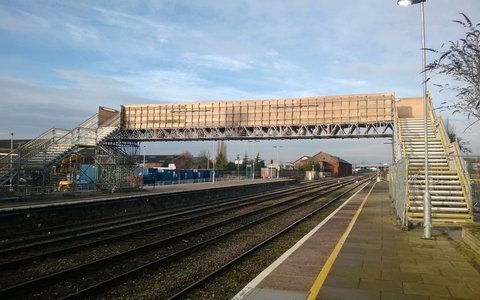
point(409, 2)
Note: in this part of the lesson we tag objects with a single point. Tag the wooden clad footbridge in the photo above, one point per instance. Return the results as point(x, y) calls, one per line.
point(354, 116)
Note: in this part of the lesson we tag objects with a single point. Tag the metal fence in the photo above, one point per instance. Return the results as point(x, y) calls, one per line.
point(473, 169)
point(398, 189)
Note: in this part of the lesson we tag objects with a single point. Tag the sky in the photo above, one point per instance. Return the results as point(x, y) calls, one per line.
point(60, 60)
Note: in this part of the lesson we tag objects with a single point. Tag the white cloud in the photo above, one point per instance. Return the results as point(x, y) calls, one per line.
point(217, 62)
point(82, 34)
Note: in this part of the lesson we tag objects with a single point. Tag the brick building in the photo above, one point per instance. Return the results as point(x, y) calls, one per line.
point(334, 165)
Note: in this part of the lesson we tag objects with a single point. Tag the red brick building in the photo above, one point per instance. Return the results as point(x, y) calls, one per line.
point(334, 165)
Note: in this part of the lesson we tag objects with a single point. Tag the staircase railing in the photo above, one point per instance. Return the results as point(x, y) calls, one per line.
point(32, 147)
point(452, 152)
point(398, 144)
point(461, 167)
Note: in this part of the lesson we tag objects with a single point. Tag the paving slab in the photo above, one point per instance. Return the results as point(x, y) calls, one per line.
point(410, 267)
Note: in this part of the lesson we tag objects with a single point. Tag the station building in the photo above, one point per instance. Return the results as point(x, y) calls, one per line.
point(334, 165)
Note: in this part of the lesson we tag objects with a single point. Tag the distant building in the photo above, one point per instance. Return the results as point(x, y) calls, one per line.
point(334, 165)
point(156, 161)
point(5, 145)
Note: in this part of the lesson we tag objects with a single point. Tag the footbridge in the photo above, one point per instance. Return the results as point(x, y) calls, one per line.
point(349, 116)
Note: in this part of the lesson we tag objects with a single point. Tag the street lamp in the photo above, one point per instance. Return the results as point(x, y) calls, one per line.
point(238, 162)
point(427, 208)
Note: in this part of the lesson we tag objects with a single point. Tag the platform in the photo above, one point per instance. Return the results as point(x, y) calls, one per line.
point(358, 252)
point(60, 199)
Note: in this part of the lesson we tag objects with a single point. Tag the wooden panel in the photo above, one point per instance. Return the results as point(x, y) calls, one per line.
point(349, 109)
point(410, 107)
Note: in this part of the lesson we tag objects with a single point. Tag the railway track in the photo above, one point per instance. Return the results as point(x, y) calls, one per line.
point(17, 252)
point(163, 244)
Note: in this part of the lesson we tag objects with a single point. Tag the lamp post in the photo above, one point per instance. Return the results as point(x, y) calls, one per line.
point(10, 188)
point(238, 162)
point(427, 208)
point(254, 158)
point(276, 152)
point(213, 162)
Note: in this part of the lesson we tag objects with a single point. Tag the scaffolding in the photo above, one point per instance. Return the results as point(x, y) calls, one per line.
point(115, 164)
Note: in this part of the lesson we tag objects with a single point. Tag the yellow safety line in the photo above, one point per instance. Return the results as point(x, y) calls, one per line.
point(318, 283)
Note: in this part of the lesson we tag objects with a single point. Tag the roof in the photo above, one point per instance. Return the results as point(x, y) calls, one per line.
point(302, 158)
point(333, 156)
point(5, 145)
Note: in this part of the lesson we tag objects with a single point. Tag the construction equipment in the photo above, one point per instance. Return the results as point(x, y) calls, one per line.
point(64, 185)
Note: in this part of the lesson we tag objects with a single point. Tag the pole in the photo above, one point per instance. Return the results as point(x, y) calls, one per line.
point(278, 161)
point(253, 161)
point(143, 166)
point(10, 188)
point(427, 209)
point(213, 164)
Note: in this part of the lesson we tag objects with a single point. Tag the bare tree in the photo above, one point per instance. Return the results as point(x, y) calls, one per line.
point(184, 161)
point(221, 148)
point(461, 62)
point(453, 137)
point(203, 160)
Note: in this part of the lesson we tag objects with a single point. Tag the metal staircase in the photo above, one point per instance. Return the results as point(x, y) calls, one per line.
point(45, 151)
point(448, 187)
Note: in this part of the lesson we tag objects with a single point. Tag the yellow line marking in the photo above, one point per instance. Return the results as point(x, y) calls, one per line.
point(318, 283)
point(260, 277)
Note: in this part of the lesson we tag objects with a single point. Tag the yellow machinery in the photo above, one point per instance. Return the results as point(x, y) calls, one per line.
point(64, 185)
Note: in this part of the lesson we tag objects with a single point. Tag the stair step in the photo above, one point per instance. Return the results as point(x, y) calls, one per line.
point(441, 209)
point(434, 197)
point(437, 192)
point(437, 184)
point(436, 187)
point(437, 171)
point(439, 203)
point(443, 219)
point(431, 161)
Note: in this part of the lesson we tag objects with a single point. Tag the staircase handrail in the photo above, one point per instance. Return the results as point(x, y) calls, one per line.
point(461, 169)
point(399, 145)
point(91, 122)
point(440, 125)
point(113, 122)
point(85, 134)
point(28, 149)
point(453, 154)
point(431, 111)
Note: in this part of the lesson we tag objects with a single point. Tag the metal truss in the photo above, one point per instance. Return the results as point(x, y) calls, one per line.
point(369, 130)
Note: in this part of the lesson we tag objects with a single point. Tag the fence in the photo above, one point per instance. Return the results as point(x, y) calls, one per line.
point(398, 189)
point(473, 168)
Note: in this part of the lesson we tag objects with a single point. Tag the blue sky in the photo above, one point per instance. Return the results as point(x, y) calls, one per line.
point(60, 60)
